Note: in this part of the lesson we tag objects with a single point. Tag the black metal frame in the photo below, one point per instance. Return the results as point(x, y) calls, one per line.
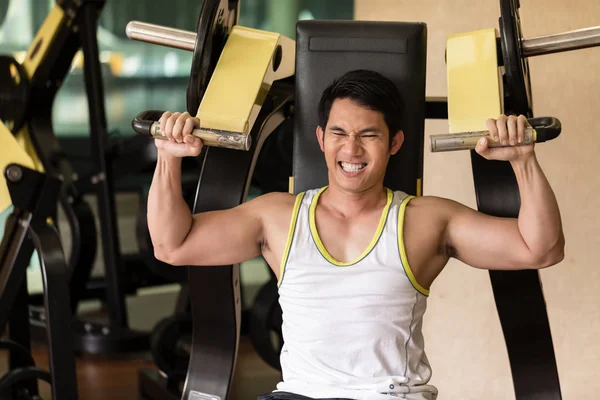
point(34, 196)
point(78, 32)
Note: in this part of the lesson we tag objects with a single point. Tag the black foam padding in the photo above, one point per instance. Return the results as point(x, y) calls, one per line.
point(327, 49)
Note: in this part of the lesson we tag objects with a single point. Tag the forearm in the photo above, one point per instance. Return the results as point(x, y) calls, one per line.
point(169, 217)
point(539, 218)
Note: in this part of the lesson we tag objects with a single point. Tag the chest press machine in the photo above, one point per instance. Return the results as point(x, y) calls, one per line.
point(397, 50)
point(324, 50)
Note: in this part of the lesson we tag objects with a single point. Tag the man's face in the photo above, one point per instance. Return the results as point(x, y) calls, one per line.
point(356, 146)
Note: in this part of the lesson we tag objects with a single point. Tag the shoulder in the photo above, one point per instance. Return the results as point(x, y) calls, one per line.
point(277, 205)
point(434, 207)
point(273, 201)
point(287, 200)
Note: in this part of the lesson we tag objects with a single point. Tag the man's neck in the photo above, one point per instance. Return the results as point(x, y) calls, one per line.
point(350, 203)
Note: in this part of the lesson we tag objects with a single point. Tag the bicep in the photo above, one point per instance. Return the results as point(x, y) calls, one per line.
point(222, 237)
point(484, 241)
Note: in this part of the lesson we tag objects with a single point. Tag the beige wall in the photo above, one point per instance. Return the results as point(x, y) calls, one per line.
point(463, 335)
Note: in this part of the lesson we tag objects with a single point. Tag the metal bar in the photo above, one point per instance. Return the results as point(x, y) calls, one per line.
point(15, 253)
point(57, 306)
point(566, 41)
point(117, 310)
point(18, 327)
point(165, 36)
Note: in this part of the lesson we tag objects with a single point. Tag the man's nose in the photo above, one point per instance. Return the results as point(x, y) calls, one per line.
point(353, 144)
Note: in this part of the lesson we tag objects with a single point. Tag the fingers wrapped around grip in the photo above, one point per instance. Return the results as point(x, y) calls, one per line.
point(177, 128)
point(507, 130)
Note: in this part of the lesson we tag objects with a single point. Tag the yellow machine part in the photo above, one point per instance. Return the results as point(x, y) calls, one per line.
point(474, 90)
point(11, 151)
point(19, 148)
point(242, 78)
point(44, 37)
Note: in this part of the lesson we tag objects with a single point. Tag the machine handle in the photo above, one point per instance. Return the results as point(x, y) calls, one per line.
point(546, 128)
point(146, 123)
point(542, 129)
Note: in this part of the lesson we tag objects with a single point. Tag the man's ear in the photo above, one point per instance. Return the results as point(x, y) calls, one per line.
point(397, 142)
point(319, 132)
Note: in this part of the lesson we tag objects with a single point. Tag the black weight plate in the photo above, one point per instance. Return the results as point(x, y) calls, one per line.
point(517, 88)
point(217, 18)
point(264, 326)
point(14, 93)
point(165, 344)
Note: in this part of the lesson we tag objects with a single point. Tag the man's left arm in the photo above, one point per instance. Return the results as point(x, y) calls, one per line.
point(532, 240)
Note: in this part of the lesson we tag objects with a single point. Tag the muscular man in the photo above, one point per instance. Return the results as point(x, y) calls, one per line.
point(354, 259)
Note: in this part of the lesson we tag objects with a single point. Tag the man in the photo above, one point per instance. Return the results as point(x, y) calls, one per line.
point(355, 260)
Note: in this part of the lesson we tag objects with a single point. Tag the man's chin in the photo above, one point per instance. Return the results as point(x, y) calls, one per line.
point(352, 183)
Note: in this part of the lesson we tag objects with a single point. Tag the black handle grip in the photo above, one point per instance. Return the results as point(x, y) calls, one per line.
point(547, 128)
point(144, 120)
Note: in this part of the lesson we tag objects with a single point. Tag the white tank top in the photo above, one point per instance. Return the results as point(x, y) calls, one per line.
point(352, 330)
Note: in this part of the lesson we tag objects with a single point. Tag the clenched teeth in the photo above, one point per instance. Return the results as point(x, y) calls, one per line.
point(350, 167)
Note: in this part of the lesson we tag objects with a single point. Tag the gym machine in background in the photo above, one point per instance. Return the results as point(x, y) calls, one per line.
point(37, 178)
point(34, 196)
point(212, 343)
point(29, 90)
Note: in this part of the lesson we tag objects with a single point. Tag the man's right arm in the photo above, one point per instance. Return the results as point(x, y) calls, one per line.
point(211, 238)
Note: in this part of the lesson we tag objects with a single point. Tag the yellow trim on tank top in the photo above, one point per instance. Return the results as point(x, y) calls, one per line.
point(290, 237)
point(315, 234)
point(402, 249)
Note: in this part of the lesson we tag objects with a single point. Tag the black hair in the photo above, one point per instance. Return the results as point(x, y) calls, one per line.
point(369, 89)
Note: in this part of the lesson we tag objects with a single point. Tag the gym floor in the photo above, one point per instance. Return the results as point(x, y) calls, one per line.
point(116, 378)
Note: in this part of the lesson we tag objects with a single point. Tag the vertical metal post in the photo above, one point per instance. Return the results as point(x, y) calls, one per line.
point(15, 253)
point(104, 184)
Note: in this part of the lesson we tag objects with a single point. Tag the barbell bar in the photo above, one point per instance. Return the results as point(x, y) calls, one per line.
point(161, 35)
point(560, 42)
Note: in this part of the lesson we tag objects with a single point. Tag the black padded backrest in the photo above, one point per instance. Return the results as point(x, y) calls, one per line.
point(328, 49)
